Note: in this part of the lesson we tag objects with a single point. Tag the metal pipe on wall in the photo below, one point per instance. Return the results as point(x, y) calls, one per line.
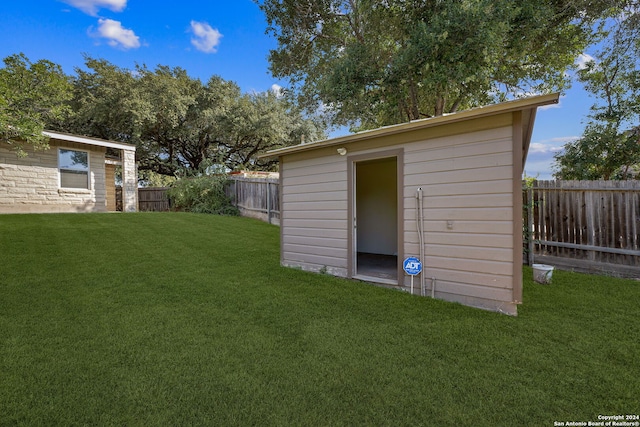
point(420, 229)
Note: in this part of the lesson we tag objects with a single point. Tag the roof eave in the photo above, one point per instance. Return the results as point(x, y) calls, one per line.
point(89, 141)
point(505, 107)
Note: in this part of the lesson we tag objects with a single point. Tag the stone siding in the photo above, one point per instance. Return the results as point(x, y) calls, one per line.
point(129, 182)
point(32, 183)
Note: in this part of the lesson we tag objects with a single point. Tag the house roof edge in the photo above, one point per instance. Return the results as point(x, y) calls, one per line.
point(89, 141)
point(531, 102)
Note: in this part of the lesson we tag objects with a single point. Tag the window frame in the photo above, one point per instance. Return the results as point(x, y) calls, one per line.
point(61, 170)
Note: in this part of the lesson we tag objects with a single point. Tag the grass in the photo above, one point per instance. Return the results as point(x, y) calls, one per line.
point(186, 319)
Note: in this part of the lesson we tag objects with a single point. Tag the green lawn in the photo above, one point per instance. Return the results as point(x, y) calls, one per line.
point(185, 319)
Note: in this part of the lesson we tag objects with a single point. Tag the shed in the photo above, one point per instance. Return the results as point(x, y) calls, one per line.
point(446, 189)
point(76, 174)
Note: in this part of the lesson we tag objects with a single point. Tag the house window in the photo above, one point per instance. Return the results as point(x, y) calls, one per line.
point(74, 168)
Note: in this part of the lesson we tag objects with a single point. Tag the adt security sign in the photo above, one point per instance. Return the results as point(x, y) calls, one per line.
point(412, 266)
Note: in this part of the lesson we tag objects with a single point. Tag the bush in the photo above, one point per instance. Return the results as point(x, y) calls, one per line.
point(203, 194)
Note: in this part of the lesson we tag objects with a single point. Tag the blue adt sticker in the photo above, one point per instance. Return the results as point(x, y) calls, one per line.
point(412, 266)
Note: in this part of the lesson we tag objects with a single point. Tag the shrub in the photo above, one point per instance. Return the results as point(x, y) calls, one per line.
point(204, 194)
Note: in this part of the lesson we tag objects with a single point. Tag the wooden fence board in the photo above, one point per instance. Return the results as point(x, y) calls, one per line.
point(153, 199)
point(582, 225)
point(256, 197)
point(587, 221)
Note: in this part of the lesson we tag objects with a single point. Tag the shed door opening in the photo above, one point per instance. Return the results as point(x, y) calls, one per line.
point(376, 218)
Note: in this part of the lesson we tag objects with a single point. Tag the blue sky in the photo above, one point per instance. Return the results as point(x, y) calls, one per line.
point(214, 37)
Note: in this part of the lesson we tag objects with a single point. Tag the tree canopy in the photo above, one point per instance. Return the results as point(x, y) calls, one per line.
point(609, 147)
point(179, 124)
point(372, 63)
point(33, 96)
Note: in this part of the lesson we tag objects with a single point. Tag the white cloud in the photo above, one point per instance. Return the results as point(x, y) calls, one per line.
point(552, 145)
point(116, 35)
point(91, 7)
point(206, 39)
point(542, 169)
point(277, 90)
point(540, 159)
point(583, 59)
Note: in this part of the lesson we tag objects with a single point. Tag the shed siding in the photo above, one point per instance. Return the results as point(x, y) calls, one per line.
point(31, 184)
point(467, 181)
point(468, 215)
point(469, 167)
point(314, 213)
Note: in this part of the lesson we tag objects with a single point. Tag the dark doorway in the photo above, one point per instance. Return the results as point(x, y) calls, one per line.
point(376, 219)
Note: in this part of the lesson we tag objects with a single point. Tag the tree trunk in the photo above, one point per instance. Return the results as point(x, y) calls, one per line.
point(439, 110)
point(414, 111)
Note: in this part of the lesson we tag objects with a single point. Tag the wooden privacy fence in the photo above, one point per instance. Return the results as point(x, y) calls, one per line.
point(256, 197)
point(591, 226)
point(153, 199)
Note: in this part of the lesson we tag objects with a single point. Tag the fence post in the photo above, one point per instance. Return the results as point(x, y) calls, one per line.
point(268, 201)
point(530, 225)
point(235, 190)
point(590, 208)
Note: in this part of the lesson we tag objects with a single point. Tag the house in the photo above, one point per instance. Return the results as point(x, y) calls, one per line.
point(77, 174)
point(446, 190)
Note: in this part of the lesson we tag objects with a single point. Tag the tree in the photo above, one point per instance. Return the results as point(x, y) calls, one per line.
point(374, 63)
point(180, 125)
point(602, 152)
point(105, 102)
point(33, 96)
point(259, 122)
point(179, 119)
point(610, 145)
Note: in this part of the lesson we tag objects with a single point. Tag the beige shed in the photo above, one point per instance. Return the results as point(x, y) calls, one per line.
point(446, 190)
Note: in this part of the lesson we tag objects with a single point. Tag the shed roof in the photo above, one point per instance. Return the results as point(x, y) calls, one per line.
point(527, 105)
point(89, 141)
